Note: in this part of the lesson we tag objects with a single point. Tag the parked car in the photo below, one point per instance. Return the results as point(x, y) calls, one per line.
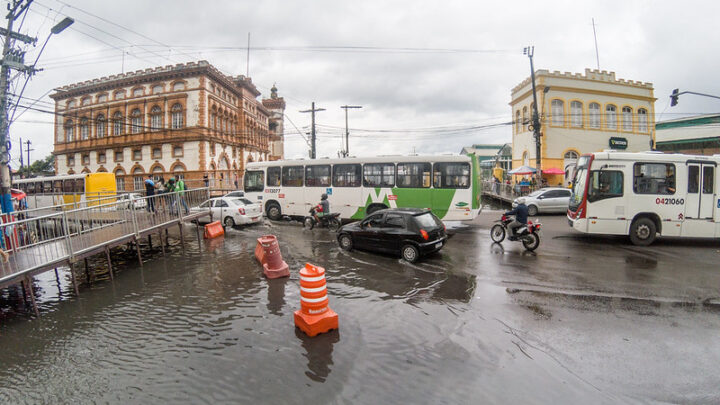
point(124, 201)
point(231, 211)
point(547, 200)
point(408, 232)
point(235, 194)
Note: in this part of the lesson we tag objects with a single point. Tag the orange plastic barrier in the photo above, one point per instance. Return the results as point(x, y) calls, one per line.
point(213, 230)
point(314, 316)
point(267, 252)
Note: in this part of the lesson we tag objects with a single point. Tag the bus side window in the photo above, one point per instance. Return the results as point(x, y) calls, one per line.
point(31, 187)
point(693, 179)
point(451, 175)
point(80, 185)
point(273, 176)
point(47, 187)
point(57, 186)
point(347, 175)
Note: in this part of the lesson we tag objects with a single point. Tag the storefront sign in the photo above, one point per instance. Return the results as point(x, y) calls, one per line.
point(618, 143)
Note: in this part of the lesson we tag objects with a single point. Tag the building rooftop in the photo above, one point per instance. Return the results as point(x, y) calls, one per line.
point(590, 74)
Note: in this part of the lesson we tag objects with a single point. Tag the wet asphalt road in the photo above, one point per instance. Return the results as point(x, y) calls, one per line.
point(584, 318)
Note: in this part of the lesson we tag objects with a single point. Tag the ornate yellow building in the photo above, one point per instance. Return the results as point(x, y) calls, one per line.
point(580, 113)
point(188, 119)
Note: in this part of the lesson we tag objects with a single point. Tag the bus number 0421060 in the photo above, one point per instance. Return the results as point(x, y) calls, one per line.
point(670, 201)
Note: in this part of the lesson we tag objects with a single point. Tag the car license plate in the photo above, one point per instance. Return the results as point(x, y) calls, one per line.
point(438, 245)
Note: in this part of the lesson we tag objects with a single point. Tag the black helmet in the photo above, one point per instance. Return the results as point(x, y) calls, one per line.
point(323, 196)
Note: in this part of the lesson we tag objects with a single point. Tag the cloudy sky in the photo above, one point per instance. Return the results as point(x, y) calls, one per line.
point(431, 76)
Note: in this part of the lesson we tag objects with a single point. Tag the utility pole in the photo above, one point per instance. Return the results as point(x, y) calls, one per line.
point(13, 58)
point(530, 52)
point(21, 160)
point(312, 111)
point(28, 154)
point(346, 152)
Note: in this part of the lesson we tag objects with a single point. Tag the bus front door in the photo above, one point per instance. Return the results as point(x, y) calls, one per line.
point(699, 203)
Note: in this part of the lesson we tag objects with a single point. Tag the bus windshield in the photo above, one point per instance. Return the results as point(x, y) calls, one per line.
point(254, 180)
point(579, 180)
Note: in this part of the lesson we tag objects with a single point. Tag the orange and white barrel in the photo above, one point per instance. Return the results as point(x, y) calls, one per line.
point(314, 316)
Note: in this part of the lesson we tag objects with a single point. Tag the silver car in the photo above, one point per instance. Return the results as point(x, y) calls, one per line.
point(546, 200)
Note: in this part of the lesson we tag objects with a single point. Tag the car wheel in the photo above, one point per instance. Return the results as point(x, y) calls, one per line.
point(642, 232)
point(531, 241)
point(532, 210)
point(497, 233)
point(346, 242)
point(229, 222)
point(273, 212)
point(410, 253)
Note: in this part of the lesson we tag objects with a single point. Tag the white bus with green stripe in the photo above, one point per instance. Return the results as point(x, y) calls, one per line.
point(448, 185)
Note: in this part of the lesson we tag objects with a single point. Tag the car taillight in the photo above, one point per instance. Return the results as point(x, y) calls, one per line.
point(241, 211)
point(424, 234)
point(444, 228)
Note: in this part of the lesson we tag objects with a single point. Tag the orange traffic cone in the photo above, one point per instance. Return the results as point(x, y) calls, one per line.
point(314, 316)
point(267, 252)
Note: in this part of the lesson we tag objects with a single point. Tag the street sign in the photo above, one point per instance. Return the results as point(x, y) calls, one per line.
point(618, 143)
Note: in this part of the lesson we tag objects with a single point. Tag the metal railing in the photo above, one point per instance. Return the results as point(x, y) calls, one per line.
point(37, 242)
point(507, 190)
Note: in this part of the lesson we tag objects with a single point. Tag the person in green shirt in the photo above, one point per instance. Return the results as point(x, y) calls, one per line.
point(180, 188)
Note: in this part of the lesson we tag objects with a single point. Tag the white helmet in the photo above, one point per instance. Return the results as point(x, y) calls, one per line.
point(521, 200)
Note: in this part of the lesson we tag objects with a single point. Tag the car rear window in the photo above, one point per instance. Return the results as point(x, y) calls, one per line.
point(427, 221)
point(242, 201)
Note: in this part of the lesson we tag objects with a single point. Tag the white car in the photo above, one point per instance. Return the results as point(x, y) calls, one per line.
point(545, 200)
point(235, 194)
point(137, 203)
point(231, 211)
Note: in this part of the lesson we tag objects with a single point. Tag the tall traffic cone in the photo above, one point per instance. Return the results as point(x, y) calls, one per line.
point(267, 252)
point(314, 316)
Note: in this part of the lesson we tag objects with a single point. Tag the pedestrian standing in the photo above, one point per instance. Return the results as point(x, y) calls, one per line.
point(180, 188)
point(150, 193)
point(206, 180)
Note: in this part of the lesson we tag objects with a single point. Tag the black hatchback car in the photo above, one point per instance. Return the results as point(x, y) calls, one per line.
point(409, 232)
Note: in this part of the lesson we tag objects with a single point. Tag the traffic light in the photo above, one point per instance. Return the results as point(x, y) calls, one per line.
point(674, 97)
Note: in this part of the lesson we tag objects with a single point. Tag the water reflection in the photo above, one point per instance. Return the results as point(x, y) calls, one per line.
point(276, 295)
point(318, 351)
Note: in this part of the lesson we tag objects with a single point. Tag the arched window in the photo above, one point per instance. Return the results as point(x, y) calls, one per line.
point(571, 154)
point(224, 164)
point(627, 118)
point(213, 121)
point(69, 131)
point(518, 123)
point(102, 98)
point(86, 101)
point(524, 118)
point(177, 116)
point(558, 112)
point(610, 116)
point(525, 160)
point(155, 119)
point(119, 179)
point(118, 127)
point(642, 120)
point(120, 94)
point(576, 114)
point(138, 183)
point(138, 92)
point(594, 115)
point(157, 89)
point(71, 104)
point(157, 172)
point(178, 86)
point(84, 129)
point(136, 121)
point(100, 126)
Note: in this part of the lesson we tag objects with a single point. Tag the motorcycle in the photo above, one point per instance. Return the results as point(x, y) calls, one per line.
point(331, 221)
point(528, 234)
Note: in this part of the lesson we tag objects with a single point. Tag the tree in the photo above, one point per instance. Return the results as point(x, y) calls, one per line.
point(42, 167)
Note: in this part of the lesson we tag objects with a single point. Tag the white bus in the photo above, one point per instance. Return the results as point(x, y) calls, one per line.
point(646, 194)
point(448, 185)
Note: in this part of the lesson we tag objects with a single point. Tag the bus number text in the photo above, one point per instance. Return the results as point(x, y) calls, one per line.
point(670, 201)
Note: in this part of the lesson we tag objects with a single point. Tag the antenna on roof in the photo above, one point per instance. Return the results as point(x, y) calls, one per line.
point(597, 55)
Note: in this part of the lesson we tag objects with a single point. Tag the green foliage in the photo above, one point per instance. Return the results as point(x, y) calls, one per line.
point(42, 167)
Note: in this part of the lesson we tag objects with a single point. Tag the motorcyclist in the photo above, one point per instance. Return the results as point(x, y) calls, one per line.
point(521, 216)
point(323, 208)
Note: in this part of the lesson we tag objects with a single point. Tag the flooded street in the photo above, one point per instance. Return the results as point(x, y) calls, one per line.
point(582, 319)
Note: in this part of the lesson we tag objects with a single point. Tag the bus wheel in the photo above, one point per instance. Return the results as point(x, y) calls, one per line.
point(273, 212)
point(642, 231)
